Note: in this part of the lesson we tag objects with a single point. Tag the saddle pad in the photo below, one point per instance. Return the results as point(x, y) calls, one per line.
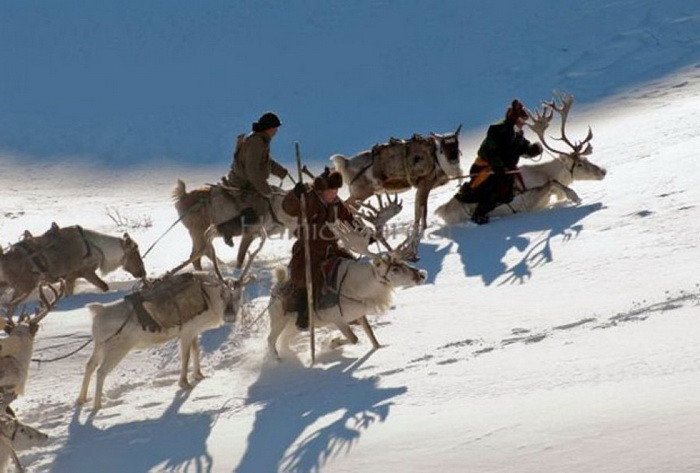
point(171, 302)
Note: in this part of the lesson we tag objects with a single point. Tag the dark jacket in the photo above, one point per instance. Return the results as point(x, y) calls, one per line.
point(252, 165)
point(503, 146)
point(323, 244)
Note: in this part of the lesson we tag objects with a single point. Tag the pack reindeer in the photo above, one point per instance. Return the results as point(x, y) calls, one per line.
point(177, 307)
point(16, 349)
point(201, 208)
point(538, 183)
point(67, 254)
point(420, 162)
point(363, 287)
point(15, 355)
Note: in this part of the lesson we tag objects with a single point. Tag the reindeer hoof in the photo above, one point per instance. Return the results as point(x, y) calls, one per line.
point(337, 342)
point(199, 376)
point(80, 401)
point(184, 384)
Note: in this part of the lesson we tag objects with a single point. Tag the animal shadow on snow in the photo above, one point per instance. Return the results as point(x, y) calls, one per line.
point(295, 397)
point(173, 442)
point(482, 249)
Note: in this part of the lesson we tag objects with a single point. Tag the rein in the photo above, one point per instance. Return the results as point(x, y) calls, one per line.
point(194, 206)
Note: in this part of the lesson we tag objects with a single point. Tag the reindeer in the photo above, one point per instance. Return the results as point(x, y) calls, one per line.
point(363, 286)
point(423, 163)
point(66, 254)
point(539, 182)
point(15, 355)
point(177, 307)
point(199, 209)
point(16, 349)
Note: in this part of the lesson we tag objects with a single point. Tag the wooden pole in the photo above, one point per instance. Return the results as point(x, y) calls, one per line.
point(304, 227)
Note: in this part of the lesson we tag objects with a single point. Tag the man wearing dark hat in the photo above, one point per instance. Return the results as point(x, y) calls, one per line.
point(493, 173)
point(251, 167)
point(322, 207)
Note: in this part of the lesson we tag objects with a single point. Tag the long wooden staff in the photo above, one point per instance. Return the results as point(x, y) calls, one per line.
point(307, 258)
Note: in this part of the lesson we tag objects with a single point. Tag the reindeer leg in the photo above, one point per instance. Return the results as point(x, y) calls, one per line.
point(246, 240)
point(278, 321)
point(70, 285)
point(194, 348)
point(565, 193)
point(92, 277)
point(111, 358)
point(185, 345)
point(199, 247)
point(350, 336)
point(90, 367)
point(368, 330)
point(421, 211)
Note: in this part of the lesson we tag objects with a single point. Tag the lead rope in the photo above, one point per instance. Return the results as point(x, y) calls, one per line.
point(185, 214)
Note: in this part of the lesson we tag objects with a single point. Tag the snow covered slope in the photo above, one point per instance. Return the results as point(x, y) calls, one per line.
point(564, 340)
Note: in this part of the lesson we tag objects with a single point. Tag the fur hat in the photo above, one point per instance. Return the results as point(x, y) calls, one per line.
point(266, 121)
point(516, 110)
point(328, 180)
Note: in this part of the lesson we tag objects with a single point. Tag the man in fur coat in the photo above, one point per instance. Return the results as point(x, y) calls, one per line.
point(493, 172)
point(323, 206)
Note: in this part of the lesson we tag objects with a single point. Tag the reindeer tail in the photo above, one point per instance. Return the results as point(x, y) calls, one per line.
point(95, 309)
point(179, 190)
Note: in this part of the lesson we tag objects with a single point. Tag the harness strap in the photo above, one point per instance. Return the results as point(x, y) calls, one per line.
point(405, 164)
point(88, 248)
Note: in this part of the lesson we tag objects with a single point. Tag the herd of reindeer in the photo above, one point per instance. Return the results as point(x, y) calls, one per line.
point(181, 305)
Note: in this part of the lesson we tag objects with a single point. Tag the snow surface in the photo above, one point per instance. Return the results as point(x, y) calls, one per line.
point(563, 340)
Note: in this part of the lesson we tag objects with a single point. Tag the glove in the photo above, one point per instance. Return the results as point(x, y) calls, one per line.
point(535, 149)
point(299, 189)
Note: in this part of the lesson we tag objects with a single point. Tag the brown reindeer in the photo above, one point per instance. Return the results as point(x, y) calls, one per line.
point(66, 253)
point(201, 208)
point(399, 165)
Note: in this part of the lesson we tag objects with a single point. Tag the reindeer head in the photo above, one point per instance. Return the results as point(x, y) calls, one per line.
point(27, 326)
point(234, 289)
point(448, 151)
point(577, 158)
point(132, 261)
point(391, 266)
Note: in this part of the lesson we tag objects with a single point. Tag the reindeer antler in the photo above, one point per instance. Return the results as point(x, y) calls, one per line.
point(379, 216)
point(353, 238)
point(46, 306)
point(244, 278)
point(561, 104)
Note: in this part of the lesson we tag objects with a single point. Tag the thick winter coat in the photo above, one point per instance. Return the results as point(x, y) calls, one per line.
point(250, 170)
point(323, 244)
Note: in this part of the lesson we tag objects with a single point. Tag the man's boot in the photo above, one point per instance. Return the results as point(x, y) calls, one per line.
point(302, 310)
point(480, 216)
point(235, 226)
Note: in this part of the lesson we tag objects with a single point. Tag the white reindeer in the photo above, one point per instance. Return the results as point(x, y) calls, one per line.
point(15, 355)
point(541, 181)
point(363, 286)
point(16, 349)
point(117, 330)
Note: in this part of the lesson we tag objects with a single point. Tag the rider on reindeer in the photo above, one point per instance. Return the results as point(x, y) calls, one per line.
point(493, 172)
